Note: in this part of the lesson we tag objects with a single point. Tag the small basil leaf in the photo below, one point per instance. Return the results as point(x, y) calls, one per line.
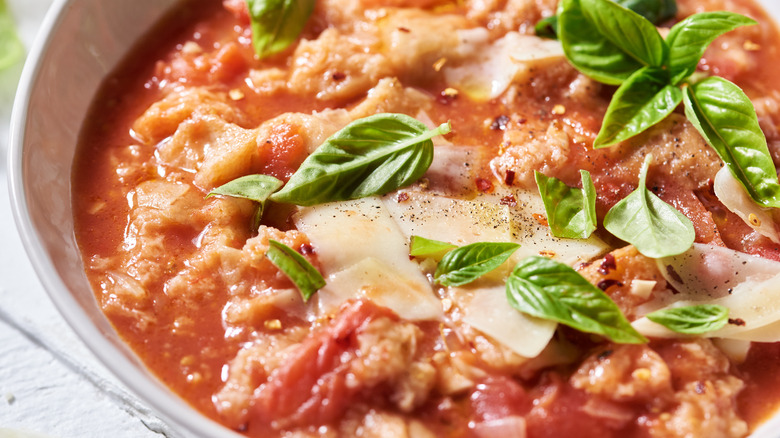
point(692, 320)
point(655, 11)
point(642, 101)
point(608, 42)
point(276, 24)
point(422, 247)
point(11, 48)
point(467, 263)
point(547, 27)
point(305, 276)
point(571, 212)
point(689, 39)
point(370, 156)
point(654, 227)
point(255, 187)
point(552, 290)
point(725, 117)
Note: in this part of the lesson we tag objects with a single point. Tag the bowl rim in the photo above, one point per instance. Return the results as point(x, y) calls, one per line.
point(142, 383)
point(171, 408)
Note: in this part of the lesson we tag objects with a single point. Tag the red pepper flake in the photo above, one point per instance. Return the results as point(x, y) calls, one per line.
point(607, 283)
point(499, 123)
point(508, 200)
point(541, 219)
point(404, 29)
point(306, 249)
point(608, 264)
point(402, 196)
point(484, 185)
point(737, 321)
point(545, 253)
point(338, 76)
point(509, 179)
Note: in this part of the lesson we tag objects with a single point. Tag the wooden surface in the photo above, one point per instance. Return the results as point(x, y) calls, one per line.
point(50, 384)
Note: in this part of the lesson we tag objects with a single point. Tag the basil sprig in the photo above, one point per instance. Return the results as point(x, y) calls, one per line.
point(370, 156)
point(11, 48)
point(276, 24)
point(656, 11)
point(306, 277)
point(571, 212)
point(689, 39)
point(552, 290)
point(422, 247)
point(255, 187)
point(692, 320)
point(615, 45)
point(654, 227)
point(724, 115)
point(467, 263)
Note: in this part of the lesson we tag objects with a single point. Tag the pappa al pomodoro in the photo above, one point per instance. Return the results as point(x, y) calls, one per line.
point(425, 218)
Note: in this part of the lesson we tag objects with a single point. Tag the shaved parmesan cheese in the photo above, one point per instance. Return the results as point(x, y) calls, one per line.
point(450, 219)
point(734, 196)
point(486, 219)
point(378, 261)
point(748, 286)
point(383, 285)
point(493, 66)
point(490, 312)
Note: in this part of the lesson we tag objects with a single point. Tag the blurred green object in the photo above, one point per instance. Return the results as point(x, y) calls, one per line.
point(11, 48)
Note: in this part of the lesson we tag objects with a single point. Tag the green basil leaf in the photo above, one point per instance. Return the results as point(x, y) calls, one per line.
point(692, 320)
point(607, 41)
point(255, 187)
point(370, 156)
point(547, 27)
point(467, 263)
point(276, 24)
point(422, 247)
point(689, 39)
point(655, 11)
point(552, 290)
point(642, 101)
point(305, 276)
point(725, 117)
point(571, 212)
point(11, 48)
point(654, 227)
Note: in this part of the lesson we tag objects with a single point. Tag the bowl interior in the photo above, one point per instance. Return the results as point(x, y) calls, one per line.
point(81, 42)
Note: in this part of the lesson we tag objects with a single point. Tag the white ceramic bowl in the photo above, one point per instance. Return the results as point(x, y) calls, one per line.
point(80, 42)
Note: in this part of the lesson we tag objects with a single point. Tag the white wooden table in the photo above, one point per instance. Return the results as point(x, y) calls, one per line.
point(50, 384)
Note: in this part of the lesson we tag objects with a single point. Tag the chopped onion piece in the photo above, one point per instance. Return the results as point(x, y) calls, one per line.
point(642, 288)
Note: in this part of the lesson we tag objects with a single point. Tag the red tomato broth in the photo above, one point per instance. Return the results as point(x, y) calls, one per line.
point(189, 354)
